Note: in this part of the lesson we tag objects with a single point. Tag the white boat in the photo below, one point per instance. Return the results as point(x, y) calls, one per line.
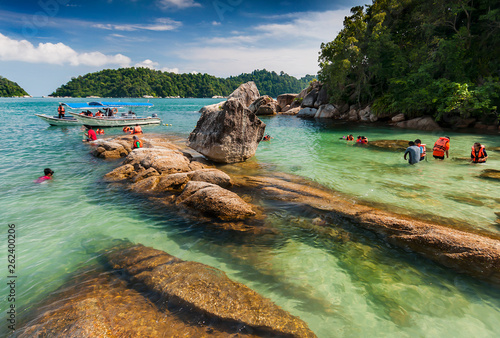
point(111, 116)
point(56, 121)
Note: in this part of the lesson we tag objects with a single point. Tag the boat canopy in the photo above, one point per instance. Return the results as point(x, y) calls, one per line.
point(99, 105)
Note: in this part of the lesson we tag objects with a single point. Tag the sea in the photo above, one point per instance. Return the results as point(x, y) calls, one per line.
point(344, 282)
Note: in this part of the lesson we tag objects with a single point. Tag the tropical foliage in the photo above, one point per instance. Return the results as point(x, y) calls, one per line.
point(137, 82)
point(418, 57)
point(10, 89)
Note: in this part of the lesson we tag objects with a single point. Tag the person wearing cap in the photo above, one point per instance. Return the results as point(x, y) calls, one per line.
point(48, 175)
point(441, 147)
point(137, 143)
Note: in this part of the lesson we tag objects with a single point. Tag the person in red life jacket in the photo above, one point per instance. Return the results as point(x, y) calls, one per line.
point(423, 150)
point(441, 147)
point(347, 138)
point(48, 176)
point(91, 135)
point(137, 129)
point(478, 154)
point(61, 111)
point(126, 129)
point(362, 140)
point(99, 131)
point(137, 143)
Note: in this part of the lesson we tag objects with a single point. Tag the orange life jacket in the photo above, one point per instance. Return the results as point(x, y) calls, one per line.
point(422, 150)
point(137, 130)
point(137, 143)
point(126, 129)
point(350, 138)
point(480, 154)
point(60, 110)
point(440, 146)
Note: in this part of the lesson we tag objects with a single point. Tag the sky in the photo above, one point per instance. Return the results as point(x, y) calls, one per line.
point(44, 43)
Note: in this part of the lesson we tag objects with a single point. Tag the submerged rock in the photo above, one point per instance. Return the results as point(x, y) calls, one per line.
point(154, 294)
point(231, 135)
point(396, 145)
point(490, 174)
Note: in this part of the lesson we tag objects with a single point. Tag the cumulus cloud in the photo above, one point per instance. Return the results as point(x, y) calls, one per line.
point(177, 4)
point(170, 70)
point(154, 65)
point(58, 53)
point(160, 25)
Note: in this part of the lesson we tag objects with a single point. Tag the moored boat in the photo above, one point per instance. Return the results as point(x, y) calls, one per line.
point(56, 121)
point(108, 114)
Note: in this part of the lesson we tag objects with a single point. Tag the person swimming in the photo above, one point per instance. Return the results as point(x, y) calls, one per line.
point(267, 138)
point(47, 176)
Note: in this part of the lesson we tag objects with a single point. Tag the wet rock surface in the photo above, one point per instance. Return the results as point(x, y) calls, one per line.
point(231, 135)
point(150, 293)
point(395, 145)
point(492, 174)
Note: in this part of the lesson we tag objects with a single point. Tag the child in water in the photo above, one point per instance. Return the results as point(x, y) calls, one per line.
point(48, 176)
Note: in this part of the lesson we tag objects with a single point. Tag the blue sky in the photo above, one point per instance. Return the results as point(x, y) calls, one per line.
point(44, 43)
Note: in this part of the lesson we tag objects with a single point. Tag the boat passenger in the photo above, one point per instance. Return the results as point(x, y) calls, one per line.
point(47, 175)
point(99, 114)
point(419, 144)
point(441, 147)
point(61, 111)
point(91, 135)
point(478, 153)
point(137, 143)
point(137, 129)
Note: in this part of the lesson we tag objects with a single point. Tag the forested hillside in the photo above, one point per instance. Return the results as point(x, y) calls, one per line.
point(432, 57)
point(9, 88)
point(137, 82)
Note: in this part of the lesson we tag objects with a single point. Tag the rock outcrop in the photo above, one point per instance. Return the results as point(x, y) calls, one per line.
point(212, 107)
point(159, 295)
point(264, 105)
point(307, 113)
point(231, 135)
point(246, 94)
point(113, 149)
point(426, 123)
point(285, 100)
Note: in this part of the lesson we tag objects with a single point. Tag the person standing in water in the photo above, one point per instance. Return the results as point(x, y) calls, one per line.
point(478, 154)
point(414, 153)
point(419, 144)
point(441, 147)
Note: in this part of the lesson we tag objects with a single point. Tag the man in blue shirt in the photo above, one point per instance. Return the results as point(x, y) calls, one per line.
point(414, 153)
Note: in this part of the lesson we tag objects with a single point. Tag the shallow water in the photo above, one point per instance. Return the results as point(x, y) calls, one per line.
point(344, 282)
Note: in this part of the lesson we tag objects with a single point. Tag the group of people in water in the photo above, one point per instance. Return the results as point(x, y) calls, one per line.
point(136, 130)
point(360, 139)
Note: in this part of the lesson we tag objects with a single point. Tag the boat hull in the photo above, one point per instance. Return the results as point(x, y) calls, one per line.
point(55, 121)
point(114, 121)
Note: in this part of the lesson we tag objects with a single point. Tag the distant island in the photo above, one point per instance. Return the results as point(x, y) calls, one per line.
point(145, 82)
point(10, 89)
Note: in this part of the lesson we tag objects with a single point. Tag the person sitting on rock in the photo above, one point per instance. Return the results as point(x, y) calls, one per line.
point(137, 143)
point(478, 154)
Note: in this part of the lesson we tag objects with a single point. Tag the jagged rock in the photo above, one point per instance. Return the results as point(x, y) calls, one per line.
point(264, 105)
point(396, 145)
point(365, 114)
point(212, 107)
point(310, 99)
point(307, 112)
point(490, 174)
point(245, 93)
point(285, 100)
point(231, 135)
point(214, 201)
point(322, 97)
point(173, 182)
point(146, 185)
point(327, 111)
point(398, 118)
point(121, 173)
point(145, 174)
point(110, 150)
point(426, 123)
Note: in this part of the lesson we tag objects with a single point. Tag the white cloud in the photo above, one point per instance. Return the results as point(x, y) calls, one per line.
point(216, 23)
point(58, 53)
point(170, 70)
point(177, 4)
point(160, 25)
point(147, 64)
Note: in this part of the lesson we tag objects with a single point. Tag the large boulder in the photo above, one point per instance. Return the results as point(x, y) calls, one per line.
point(245, 93)
point(426, 123)
point(111, 149)
point(229, 136)
point(307, 113)
point(213, 201)
point(165, 161)
point(322, 97)
point(310, 98)
point(212, 107)
point(291, 111)
point(285, 100)
point(264, 105)
point(327, 111)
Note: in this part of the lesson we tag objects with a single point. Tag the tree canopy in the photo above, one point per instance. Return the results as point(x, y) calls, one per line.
point(10, 89)
point(137, 82)
point(432, 57)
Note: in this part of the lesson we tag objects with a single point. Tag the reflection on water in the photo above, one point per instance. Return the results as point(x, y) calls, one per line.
point(344, 282)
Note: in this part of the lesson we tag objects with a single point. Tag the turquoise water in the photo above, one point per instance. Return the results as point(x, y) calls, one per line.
point(343, 282)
